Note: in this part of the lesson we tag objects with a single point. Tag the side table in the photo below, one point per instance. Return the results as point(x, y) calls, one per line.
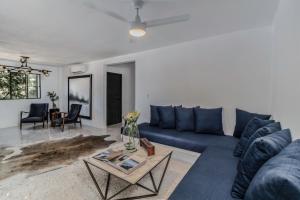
point(51, 111)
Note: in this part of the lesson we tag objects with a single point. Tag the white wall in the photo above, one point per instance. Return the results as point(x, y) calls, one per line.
point(286, 65)
point(98, 103)
point(10, 109)
point(128, 84)
point(231, 70)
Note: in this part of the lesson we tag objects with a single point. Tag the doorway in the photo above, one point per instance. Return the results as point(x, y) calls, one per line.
point(114, 98)
point(120, 91)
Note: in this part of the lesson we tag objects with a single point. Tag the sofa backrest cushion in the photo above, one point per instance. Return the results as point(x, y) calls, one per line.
point(266, 130)
point(252, 126)
point(38, 109)
point(242, 119)
point(260, 151)
point(185, 119)
point(166, 117)
point(209, 121)
point(279, 177)
point(154, 115)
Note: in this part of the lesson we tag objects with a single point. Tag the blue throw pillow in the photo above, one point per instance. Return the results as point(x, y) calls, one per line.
point(260, 151)
point(279, 177)
point(154, 115)
point(266, 130)
point(252, 126)
point(242, 119)
point(209, 121)
point(184, 119)
point(166, 117)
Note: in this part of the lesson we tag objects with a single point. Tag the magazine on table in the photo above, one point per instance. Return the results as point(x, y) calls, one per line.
point(108, 155)
point(118, 159)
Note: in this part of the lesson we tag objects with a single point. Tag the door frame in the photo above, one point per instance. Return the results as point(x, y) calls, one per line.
point(105, 66)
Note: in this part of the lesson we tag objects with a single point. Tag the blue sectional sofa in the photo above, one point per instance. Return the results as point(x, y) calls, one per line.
point(247, 165)
point(212, 175)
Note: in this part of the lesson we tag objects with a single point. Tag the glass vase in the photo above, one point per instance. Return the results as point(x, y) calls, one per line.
point(132, 132)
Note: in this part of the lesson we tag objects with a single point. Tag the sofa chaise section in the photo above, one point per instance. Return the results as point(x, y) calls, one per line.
point(210, 178)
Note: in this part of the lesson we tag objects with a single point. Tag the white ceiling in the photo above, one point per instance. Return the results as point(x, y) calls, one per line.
point(70, 31)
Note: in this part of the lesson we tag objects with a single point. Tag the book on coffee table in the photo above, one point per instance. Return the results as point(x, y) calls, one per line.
point(126, 163)
point(108, 155)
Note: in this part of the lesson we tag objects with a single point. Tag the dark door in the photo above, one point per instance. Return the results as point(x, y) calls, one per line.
point(114, 98)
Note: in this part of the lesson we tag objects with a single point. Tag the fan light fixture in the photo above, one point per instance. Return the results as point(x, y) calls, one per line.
point(137, 32)
point(24, 68)
point(138, 28)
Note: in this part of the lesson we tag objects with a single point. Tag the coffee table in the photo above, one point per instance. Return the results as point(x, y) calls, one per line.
point(161, 153)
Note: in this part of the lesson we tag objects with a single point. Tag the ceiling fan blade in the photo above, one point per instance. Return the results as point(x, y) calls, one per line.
point(106, 12)
point(168, 20)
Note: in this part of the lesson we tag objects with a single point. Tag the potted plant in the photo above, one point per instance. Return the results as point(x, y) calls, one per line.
point(131, 130)
point(53, 97)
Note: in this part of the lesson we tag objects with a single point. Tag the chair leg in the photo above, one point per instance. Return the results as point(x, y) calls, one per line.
point(63, 125)
point(20, 125)
point(44, 124)
point(80, 123)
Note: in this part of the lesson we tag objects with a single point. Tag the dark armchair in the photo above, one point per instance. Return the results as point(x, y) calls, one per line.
point(73, 117)
point(38, 114)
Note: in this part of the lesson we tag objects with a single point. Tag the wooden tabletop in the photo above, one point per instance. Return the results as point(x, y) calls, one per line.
point(161, 152)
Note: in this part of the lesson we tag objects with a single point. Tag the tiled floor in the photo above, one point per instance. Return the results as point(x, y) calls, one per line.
point(14, 137)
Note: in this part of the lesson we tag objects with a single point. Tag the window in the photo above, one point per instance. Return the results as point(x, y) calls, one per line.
point(14, 85)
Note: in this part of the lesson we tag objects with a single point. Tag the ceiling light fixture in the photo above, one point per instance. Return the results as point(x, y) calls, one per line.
point(24, 68)
point(138, 28)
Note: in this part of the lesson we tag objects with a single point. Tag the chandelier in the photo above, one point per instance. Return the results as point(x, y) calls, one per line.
point(24, 68)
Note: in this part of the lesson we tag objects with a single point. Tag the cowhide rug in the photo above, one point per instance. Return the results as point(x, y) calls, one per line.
point(48, 154)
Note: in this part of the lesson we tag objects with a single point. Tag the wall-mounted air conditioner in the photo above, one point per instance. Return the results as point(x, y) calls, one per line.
point(78, 69)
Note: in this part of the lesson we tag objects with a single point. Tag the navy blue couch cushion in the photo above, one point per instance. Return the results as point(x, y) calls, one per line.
point(38, 109)
point(266, 130)
point(279, 177)
point(210, 178)
point(166, 117)
point(260, 151)
point(209, 121)
point(242, 119)
point(187, 139)
point(184, 119)
point(252, 126)
point(154, 115)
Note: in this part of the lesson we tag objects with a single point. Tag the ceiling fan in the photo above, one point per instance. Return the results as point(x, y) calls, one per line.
point(138, 27)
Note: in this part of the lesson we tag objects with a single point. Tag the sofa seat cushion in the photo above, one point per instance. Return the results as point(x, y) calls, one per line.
point(210, 178)
point(32, 119)
point(186, 140)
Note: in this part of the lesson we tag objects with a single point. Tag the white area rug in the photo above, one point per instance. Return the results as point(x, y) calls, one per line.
point(73, 182)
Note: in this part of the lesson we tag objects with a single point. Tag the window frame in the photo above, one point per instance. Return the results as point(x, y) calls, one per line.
point(38, 88)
